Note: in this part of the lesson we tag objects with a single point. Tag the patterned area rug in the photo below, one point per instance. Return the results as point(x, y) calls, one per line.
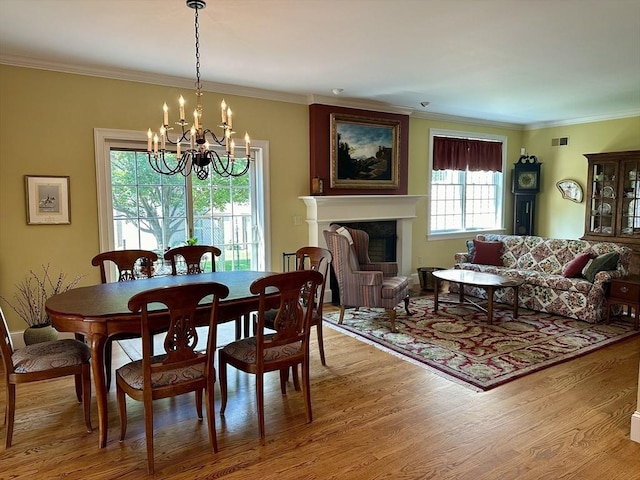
point(459, 344)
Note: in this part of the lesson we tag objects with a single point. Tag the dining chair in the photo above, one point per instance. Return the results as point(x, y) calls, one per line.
point(43, 361)
point(180, 369)
point(287, 348)
point(361, 285)
point(196, 257)
point(127, 263)
point(318, 259)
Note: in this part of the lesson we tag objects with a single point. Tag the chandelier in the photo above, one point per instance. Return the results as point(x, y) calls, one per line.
point(197, 156)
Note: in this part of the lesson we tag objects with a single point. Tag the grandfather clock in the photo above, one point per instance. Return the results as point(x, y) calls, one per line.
point(525, 186)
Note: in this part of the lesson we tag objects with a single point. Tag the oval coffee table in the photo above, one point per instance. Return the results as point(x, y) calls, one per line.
point(489, 281)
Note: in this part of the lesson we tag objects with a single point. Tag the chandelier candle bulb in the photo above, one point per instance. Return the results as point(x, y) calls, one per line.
point(181, 101)
point(149, 140)
point(178, 151)
point(247, 144)
point(195, 119)
point(229, 117)
point(165, 114)
point(155, 143)
point(192, 138)
point(163, 137)
point(223, 108)
point(233, 148)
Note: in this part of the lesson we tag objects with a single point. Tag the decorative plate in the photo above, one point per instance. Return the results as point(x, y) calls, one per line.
point(605, 209)
point(607, 192)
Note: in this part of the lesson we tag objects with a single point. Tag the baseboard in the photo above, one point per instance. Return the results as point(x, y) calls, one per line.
point(635, 427)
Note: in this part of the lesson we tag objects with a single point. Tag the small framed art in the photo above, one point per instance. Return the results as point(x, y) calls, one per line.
point(48, 200)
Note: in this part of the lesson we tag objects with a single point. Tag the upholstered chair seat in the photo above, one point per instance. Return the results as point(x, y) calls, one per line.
point(133, 374)
point(48, 355)
point(245, 350)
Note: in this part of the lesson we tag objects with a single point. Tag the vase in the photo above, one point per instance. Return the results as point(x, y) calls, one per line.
point(39, 334)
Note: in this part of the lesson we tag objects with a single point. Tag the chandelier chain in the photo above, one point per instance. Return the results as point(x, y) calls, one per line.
point(197, 35)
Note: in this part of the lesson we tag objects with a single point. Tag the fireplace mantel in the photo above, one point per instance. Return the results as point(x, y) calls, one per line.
point(324, 210)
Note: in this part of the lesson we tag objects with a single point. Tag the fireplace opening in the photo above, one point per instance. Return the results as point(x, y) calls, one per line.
point(383, 240)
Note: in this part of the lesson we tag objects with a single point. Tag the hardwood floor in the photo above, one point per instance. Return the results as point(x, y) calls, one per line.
point(375, 416)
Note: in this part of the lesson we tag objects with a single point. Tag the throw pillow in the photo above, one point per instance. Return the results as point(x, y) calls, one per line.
point(607, 261)
point(487, 253)
point(573, 269)
point(470, 249)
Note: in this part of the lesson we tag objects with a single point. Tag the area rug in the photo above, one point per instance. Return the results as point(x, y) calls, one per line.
point(459, 344)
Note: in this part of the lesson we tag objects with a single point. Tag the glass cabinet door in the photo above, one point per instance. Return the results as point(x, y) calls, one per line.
point(630, 206)
point(603, 177)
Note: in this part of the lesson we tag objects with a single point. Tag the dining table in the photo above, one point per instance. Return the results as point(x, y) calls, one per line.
point(100, 311)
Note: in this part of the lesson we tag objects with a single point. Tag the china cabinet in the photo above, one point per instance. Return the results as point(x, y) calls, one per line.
point(613, 199)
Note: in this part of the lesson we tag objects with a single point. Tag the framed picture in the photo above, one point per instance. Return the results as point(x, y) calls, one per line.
point(571, 190)
point(47, 200)
point(364, 152)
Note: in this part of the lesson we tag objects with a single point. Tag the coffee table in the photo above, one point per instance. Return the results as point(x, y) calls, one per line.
point(489, 281)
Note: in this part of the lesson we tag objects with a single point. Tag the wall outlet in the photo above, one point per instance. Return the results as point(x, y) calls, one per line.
point(297, 220)
point(420, 260)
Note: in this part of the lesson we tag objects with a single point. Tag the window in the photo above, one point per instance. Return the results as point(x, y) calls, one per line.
point(463, 200)
point(140, 208)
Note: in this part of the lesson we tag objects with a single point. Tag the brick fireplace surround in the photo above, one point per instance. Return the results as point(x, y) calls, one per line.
point(324, 210)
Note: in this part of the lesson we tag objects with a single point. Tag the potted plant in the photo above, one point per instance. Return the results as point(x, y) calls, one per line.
point(30, 299)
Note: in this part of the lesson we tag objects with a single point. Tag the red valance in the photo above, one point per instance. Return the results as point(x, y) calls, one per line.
point(466, 154)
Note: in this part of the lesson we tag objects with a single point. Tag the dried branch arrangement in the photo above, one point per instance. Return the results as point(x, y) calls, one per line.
point(34, 291)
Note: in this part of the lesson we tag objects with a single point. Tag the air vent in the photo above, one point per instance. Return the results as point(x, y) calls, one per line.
point(560, 142)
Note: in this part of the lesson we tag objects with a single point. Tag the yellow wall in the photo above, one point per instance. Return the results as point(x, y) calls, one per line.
point(46, 128)
point(561, 218)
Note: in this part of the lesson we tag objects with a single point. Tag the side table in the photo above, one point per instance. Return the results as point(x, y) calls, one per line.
point(625, 291)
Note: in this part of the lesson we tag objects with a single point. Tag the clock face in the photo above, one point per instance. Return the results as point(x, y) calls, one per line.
point(527, 180)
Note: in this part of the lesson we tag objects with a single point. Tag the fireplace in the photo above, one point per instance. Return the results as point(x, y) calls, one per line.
point(322, 211)
point(383, 239)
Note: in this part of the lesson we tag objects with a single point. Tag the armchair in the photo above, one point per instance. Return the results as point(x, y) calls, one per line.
point(361, 286)
point(360, 240)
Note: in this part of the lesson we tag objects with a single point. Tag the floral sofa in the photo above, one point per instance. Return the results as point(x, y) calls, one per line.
point(540, 262)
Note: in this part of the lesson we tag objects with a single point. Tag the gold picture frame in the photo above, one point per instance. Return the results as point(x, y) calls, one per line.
point(365, 152)
point(48, 200)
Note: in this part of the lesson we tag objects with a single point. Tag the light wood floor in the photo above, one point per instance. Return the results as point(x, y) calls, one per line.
point(375, 416)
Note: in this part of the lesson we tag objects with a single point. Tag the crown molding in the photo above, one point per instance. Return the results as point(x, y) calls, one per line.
point(442, 117)
point(577, 121)
point(151, 78)
point(273, 95)
point(358, 103)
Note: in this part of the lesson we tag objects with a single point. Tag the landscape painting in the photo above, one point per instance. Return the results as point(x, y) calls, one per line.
point(364, 152)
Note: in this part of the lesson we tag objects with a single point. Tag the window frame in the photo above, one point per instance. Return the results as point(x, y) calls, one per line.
point(500, 199)
point(106, 139)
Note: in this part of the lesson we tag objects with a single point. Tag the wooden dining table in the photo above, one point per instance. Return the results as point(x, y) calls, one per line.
point(100, 311)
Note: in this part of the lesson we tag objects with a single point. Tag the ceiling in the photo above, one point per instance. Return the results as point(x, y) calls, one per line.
point(520, 62)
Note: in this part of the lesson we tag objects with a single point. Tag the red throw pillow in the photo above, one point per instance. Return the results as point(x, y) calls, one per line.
point(487, 253)
point(573, 269)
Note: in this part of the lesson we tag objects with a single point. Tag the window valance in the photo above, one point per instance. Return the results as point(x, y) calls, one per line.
point(466, 154)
